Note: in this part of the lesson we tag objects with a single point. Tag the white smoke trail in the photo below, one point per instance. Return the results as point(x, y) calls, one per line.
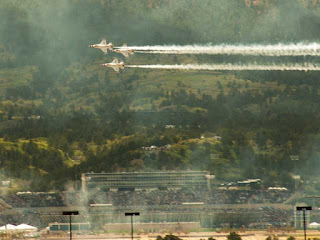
point(231, 67)
point(300, 49)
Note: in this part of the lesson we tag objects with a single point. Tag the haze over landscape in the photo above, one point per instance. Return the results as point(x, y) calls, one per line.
point(229, 87)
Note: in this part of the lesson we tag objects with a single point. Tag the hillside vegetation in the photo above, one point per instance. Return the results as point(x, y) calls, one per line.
point(62, 114)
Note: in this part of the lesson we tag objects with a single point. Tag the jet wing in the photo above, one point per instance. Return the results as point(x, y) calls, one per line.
point(125, 54)
point(105, 50)
point(104, 42)
point(116, 69)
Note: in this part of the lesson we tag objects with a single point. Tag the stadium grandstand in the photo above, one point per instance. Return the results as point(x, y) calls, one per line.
point(211, 208)
point(131, 181)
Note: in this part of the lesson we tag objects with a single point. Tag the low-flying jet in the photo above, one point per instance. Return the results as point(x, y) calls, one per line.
point(115, 64)
point(103, 46)
point(124, 50)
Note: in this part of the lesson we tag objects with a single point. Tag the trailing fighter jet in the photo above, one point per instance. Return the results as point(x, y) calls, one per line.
point(115, 64)
point(124, 50)
point(103, 46)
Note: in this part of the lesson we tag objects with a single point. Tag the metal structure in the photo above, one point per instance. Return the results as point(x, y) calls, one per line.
point(304, 209)
point(131, 214)
point(145, 180)
point(70, 213)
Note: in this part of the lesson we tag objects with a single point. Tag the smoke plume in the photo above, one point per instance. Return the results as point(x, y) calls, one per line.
point(300, 49)
point(234, 67)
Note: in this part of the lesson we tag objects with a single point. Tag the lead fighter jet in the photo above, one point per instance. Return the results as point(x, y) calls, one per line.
point(124, 50)
point(103, 46)
point(115, 64)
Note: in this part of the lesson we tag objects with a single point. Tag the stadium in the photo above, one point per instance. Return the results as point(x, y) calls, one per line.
point(185, 198)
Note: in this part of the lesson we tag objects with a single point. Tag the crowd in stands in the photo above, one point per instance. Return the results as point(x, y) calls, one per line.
point(144, 198)
point(178, 197)
point(164, 197)
point(34, 199)
point(246, 196)
point(164, 201)
point(274, 215)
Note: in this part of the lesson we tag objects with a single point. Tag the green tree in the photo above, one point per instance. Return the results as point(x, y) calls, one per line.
point(171, 237)
point(234, 236)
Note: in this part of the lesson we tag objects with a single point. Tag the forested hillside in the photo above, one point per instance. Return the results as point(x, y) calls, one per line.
point(62, 114)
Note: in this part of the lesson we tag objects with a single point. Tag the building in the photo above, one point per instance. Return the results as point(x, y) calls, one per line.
point(65, 227)
point(132, 181)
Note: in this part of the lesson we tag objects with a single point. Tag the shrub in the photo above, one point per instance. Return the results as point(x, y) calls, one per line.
point(233, 236)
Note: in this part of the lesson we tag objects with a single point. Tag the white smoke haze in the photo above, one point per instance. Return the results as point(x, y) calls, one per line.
point(299, 49)
point(234, 67)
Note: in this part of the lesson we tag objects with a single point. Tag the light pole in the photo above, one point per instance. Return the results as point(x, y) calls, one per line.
point(304, 209)
point(131, 215)
point(70, 213)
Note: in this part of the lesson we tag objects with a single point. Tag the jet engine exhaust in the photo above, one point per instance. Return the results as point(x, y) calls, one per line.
point(300, 49)
point(232, 67)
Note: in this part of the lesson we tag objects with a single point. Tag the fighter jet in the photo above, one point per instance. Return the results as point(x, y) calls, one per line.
point(115, 64)
point(103, 46)
point(124, 50)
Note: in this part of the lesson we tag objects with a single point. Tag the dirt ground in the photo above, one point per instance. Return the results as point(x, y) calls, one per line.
point(249, 235)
